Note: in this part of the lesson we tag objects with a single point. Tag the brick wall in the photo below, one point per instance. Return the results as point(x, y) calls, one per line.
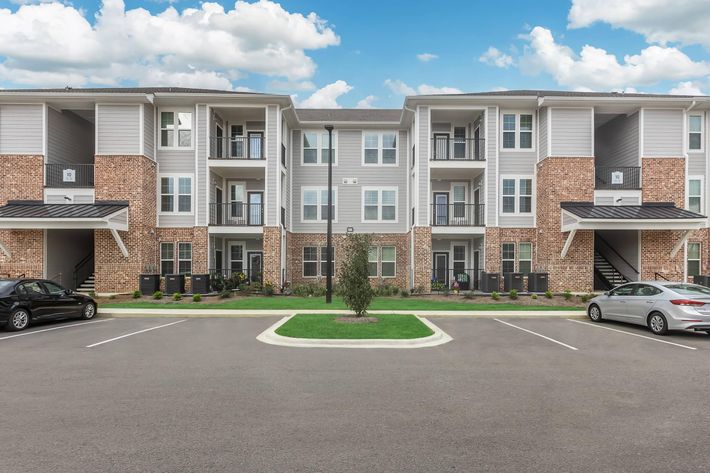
point(195, 235)
point(564, 180)
point(130, 178)
point(296, 242)
point(663, 180)
point(272, 255)
point(22, 179)
point(495, 236)
point(422, 258)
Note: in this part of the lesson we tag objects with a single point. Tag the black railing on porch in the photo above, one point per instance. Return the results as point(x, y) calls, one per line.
point(457, 214)
point(617, 177)
point(69, 175)
point(237, 214)
point(221, 279)
point(446, 148)
point(237, 147)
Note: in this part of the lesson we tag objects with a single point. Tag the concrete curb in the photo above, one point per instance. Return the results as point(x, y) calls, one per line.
point(269, 336)
point(236, 313)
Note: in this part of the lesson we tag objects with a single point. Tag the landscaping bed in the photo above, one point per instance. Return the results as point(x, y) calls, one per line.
point(322, 326)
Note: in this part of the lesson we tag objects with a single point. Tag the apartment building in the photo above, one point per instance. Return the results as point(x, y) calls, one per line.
point(592, 188)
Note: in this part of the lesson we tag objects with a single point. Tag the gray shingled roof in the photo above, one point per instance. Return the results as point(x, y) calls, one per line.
point(38, 209)
point(393, 115)
point(134, 90)
point(650, 211)
point(563, 93)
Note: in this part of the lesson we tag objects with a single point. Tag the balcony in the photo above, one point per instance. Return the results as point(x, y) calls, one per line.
point(458, 214)
point(617, 178)
point(237, 214)
point(237, 147)
point(445, 148)
point(70, 176)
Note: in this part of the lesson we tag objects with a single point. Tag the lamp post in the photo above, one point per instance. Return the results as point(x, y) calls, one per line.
point(329, 231)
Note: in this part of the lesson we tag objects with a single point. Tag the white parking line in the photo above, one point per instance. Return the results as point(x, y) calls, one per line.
point(134, 333)
point(23, 334)
point(538, 334)
point(633, 334)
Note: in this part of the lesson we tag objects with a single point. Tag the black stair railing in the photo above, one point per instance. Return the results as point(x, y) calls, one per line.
point(83, 269)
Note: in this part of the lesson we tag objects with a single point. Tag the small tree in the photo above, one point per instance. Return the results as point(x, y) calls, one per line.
point(354, 274)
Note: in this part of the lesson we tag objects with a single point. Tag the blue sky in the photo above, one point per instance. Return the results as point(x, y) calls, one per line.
point(359, 53)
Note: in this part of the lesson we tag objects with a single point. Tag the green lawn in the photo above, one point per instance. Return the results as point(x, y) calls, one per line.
point(293, 302)
point(324, 326)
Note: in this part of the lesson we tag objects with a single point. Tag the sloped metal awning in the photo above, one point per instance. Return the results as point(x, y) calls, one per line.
point(649, 216)
point(30, 214)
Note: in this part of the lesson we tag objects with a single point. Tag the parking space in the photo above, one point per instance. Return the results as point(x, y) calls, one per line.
point(514, 394)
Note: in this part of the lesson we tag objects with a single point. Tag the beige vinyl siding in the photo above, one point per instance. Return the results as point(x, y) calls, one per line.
point(118, 129)
point(491, 161)
point(570, 131)
point(70, 138)
point(617, 142)
point(542, 127)
point(662, 133)
point(201, 142)
point(422, 163)
point(149, 131)
point(696, 164)
point(21, 129)
point(273, 158)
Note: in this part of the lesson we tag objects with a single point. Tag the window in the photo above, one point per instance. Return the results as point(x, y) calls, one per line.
point(184, 258)
point(379, 148)
point(695, 195)
point(695, 132)
point(315, 204)
point(310, 261)
point(372, 261)
point(389, 261)
point(517, 131)
point(316, 148)
point(525, 258)
point(54, 289)
point(525, 197)
point(627, 290)
point(693, 263)
point(508, 257)
point(379, 205)
point(324, 261)
point(167, 263)
point(31, 289)
point(175, 129)
point(170, 193)
point(508, 196)
point(236, 257)
point(516, 195)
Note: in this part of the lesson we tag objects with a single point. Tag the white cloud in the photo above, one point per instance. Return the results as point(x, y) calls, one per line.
point(426, 57)
point(366, 102)
point(327, 97)
point(53, 43)
point(400, 88)
point(305, 85)
point(686, 88)
point(495, 57)
point(596, 69)
point(660, 21)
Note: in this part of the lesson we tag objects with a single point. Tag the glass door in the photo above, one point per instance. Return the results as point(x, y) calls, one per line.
point(236, 203)
point(441, 268)
point(219, 145)
point(458, 192)
point(256, 139)
point(255, 266)
point(255, 208)
point(441, 146)
point(459, 142)
point(441, 208)
point(237, 141)
point(219, 213)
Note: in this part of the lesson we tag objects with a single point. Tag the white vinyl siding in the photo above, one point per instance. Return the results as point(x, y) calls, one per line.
point(571, 131)
point(662, 133)
point(21, 129)
point(118, 129)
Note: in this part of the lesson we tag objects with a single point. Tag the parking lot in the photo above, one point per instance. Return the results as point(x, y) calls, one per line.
point(169, 395)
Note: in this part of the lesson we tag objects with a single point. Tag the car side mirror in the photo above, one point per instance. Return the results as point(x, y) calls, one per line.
point(607, 293)
point(68, 292)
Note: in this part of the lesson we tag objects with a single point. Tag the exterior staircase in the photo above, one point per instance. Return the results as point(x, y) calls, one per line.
point(606, 273)
point(87, 286)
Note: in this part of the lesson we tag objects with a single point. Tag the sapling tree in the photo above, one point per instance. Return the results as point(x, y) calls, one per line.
point(354, 280)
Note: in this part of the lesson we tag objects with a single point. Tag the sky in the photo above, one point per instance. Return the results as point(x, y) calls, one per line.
point(365, 54)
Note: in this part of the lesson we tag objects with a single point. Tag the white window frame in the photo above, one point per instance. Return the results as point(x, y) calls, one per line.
point(517, 179)
point(243, 245)
point(319, 204)
point(379, 204)
point(172, 256)
point(176, 194)
point(518, 252)
point(701, 132)
point(515, 254)
point(517, 148)
point(702, 192)
point(380, 147)
point(180, 260)
point(175, 111)
point(316, 261)
point(699, 259)
point(322, 256)
point(319, 148)
point(380, 253)
point(376, 261)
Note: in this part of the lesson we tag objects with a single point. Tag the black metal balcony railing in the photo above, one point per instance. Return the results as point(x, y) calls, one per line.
point(617, 177)
point(443, 279)
point(457, 215)
point(445, 148)
point(221, 279)
point(69, 175)
point(237, 214)
point(237, 147)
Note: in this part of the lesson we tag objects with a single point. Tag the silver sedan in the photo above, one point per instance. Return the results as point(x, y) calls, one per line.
point(660, 305)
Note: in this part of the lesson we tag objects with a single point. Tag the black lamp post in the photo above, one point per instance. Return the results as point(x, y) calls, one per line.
point(329, 231)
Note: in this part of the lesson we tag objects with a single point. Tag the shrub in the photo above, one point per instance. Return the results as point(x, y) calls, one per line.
point(92, 294)
point(157, 295)
point(177, 296)
point(534, 297)
point(309, 290)
point(438, 286)
point(225, 294)
point(469, 295)
point(567, 294)
point(548, 294)
point(268, 289)
point(385, 290)
point(136, 294)
point(513, 294)
point(418, 290)
point(404, 294)
point(243, 287)
point(495, 296)
point(586, 297)
point(354, 274)
point(196, 297)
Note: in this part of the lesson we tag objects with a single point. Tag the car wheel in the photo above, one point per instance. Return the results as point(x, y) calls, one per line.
point(657, 323)
point(594, 313)
point(19, 320)
point(88, 311)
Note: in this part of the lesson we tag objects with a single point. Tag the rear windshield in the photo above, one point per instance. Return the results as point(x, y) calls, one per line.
point(689, 289)
point(6, 286)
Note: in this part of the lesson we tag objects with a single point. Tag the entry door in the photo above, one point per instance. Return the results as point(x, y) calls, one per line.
point(476, 143)
point(459, 142)
point(218, 258)
point(255, 200)
point(461, 273)
point(236, 135)
point(477, 214)
point(441, 208)
point(441, 268)
point(476, 267)
point(255, 144)
point(458, 196)
point(219, 137)
point(236, 203)
point(255, 265)
point(219, 211)
point(441, 146)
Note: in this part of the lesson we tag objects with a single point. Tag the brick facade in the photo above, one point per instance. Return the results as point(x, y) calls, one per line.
point(297, 241)
point(130, 178)
point(423, 264)
point(564, 180)
point(195, 235)
point(22, 179)
point(272, 255)
point(663, 180)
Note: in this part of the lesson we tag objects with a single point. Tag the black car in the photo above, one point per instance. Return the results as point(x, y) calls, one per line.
point(23, 301)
